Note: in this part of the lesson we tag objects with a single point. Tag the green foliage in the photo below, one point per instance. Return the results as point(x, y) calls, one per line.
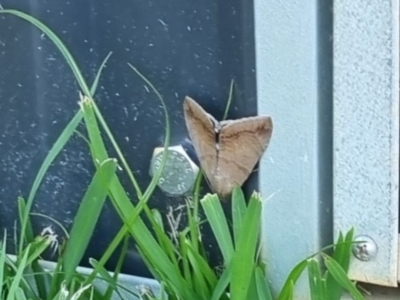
point(179, 262)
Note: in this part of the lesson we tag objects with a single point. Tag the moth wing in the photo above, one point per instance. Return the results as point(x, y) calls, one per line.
point(200, 126)
point(242, 143)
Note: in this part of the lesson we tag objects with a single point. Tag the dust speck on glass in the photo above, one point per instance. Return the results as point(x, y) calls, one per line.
point(183, 47)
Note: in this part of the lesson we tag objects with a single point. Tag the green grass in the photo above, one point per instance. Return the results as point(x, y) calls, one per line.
point(179, 263)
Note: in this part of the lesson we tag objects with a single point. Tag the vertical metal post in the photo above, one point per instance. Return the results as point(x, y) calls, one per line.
point(366, 131)
point(294, 81)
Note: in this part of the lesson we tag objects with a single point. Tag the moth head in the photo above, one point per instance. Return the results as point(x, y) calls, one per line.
point(217, 125)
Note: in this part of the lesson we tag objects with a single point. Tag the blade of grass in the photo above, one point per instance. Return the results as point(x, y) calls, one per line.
point(340, 276)
point(263, 289)
point(204, 278)
point(112, 286)
point(222, 285)
point(58, 146)
point(10, 274)
point(156, 177)
point(118, 195)
point(243, 262)
point(228, 105)
point(316, 282)
point(38, 246)
point(150, 249)
point(183, 250)
point(22, 211)
point(57, 42)
point(193, 214)
point(95, 83)
point(219, 225)
point(64, 137)
point(252, 292)
point(199, 281)
point(40, 277)
point(54, 38)
point(341, 254)
point(70, 128)
point(294, 275)
point(19, 294)
point(134, 215)
point(101, 154)
point(118, 268)
point(291, 290)
point(204, 267)
point(238, 211)
point(57, 280)
point(163, 238)
point(298, 270)
point(18, 276)
point(3, 249)
point(87, 216)
point(158, 218)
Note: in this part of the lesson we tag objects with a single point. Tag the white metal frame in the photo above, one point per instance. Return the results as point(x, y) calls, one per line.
point(366, 131)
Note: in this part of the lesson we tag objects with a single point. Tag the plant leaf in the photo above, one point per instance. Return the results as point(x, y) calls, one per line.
point(341, 254)
point(86, 217)
point(287, 290)
point(219, 225)
point(18, 276)
point(263, 289)
point(238, 211)
point(340, 276)
point(243, 262)
point(316, 282)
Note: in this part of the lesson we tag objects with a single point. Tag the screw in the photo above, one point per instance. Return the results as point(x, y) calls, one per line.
point(365, 249)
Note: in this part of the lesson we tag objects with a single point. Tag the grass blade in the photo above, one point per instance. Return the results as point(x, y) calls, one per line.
point(238, 211)
point(156, 177)
point(18, 276)
point(70, 128)
point(86, 217)
point(37, 247)
point(243, 262)
point(55, 150)
point(263, 289)
point(108, 278)
point(228, 105)
point(219, 225)
point(341, 254)
point(19, 294)
point(222, 285)
point(57, 42)
point(340, 276)
point(287, 290)
point(316, 282)
point(95, 83)
point(2, 261)
point(23, 211)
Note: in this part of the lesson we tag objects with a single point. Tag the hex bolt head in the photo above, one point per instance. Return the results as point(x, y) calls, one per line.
point(179, 173)
point(365, 249)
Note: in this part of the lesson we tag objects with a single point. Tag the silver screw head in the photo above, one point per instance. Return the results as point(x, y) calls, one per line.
point(179, 173)
point(365, 248)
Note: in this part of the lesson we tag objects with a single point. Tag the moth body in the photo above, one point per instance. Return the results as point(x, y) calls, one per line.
point(228, 150)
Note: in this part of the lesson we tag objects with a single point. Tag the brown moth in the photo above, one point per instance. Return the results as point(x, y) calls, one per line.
point(228, 150)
